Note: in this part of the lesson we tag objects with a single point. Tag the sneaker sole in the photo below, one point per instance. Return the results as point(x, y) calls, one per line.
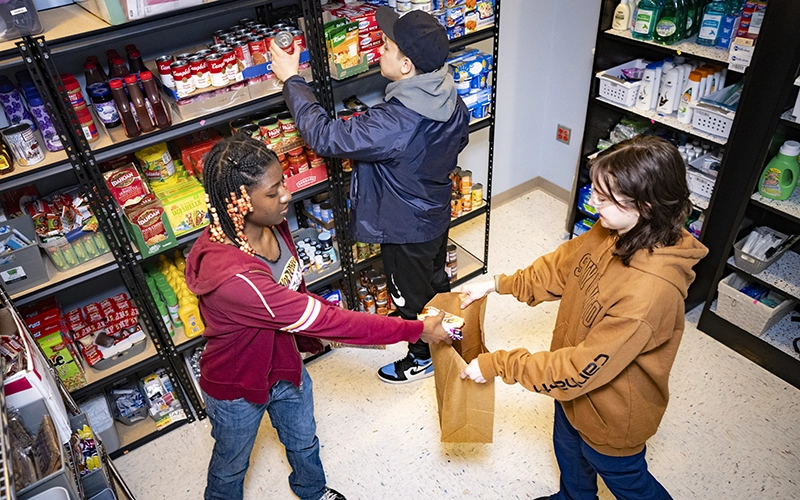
point(407, 381)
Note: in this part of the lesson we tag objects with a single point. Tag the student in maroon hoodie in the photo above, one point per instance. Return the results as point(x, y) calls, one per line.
point(259, 316)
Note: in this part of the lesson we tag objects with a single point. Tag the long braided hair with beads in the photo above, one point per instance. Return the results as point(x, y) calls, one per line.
point(231, 166)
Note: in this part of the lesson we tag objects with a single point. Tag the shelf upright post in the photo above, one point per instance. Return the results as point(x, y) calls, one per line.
point(323, 88)
point(492, 128)
point(38, 60)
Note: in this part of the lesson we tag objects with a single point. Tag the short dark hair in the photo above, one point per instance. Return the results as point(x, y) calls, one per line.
point(650, 172)
point(236, 161)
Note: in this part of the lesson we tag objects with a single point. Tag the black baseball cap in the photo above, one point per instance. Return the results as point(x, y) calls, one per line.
point(418, 34)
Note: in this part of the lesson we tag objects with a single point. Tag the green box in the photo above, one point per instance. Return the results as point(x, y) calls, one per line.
point(342, 40)
point(157, 247)
point(66, 366)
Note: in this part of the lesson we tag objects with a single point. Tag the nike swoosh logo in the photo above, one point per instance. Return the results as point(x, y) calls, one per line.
point(412, 371)
point(399, 301)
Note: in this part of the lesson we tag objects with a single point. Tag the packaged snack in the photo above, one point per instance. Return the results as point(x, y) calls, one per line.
point(146, 216)
point(451, 323)
point(126, 185)
point(156, 162)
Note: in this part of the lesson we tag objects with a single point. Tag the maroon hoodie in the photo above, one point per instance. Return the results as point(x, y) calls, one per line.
point(254, 325)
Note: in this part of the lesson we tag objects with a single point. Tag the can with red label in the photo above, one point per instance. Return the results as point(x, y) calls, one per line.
point(243, 57)
point(345, 114)
point(185, 56)
point(203, 52)
point(258, 49)
point(232, 70)
point(219, 35)
point(200, 74)
point(285, 40)
point(217, 47)
point(216, 70)
point(299, 39)
point(182, 77)
point(165, 71)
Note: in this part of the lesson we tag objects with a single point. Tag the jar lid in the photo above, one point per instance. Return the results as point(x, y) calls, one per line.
point(130, 79)
point(296, 151)
point(101, 90)
point(324, 236)
point(115, 83)
point(89, 65)
point(451, 248)
point(146, 75)
point(285, 116)
point(267, 122)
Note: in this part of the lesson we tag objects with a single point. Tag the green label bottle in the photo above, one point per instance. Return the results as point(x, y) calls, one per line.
point(779, 177)
point(645, 18)
point(671, 23)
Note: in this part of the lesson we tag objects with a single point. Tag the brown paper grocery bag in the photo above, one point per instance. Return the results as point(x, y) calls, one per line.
point(466, 409)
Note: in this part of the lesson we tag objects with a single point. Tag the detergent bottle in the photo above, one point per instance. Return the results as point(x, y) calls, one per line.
point(781, 173)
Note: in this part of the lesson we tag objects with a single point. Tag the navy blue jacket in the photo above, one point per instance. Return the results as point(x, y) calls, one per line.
point(400, 190)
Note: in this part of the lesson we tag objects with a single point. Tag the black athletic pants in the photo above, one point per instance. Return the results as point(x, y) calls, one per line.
point(415, 273)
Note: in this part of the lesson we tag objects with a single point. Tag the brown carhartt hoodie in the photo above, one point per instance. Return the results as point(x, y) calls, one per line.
point(615, 339)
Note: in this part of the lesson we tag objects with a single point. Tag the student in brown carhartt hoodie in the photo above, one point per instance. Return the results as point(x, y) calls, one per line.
point(622, 287)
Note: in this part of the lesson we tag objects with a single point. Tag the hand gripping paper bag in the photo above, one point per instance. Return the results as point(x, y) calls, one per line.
point(466, 409)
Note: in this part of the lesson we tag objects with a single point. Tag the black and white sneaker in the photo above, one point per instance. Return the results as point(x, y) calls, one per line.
point(406, 370)
point(331, 494)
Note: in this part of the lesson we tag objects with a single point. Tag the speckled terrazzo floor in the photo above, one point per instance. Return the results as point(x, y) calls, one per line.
point(732, 429)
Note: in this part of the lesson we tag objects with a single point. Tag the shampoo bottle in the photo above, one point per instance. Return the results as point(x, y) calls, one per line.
point(668, 94)
point(779, 177)
point(690, 95)
point(647, 88)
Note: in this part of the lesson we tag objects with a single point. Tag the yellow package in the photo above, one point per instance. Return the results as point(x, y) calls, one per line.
point(186, 210)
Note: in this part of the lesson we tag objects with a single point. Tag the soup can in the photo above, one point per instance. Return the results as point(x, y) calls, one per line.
point(232, 70)
point(199, 69)
point(23, 144)
point(165, 71)
point(217, 70)
point(243, 56)
point(258, 49)
point(182, 77)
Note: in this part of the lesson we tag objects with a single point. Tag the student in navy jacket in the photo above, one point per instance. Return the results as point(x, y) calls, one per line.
point(403, 151)
point(259, 315)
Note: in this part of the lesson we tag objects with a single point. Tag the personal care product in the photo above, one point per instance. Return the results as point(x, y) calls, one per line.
point(622, 16)
point(668, 93)
point(644, 23)
point(711, 23)
point(648, 87)
point(671, 22)
point(689, 96)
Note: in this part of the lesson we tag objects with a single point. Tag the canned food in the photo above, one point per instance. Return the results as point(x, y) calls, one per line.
point(369, 304)
point(235, 28)
point(182, 77)
point(251, 129)
point(217, 47)
point(284, 39)
point(477, 195)
point(440, 16)
point(243, 56)
point(455, 206)
point(200, 75)
point(403, 5)
point(360, 109)
point(466, 202)
point(424, 6)
point(363, 251)
point(245, 21)
point(258, 50)
point(300, 38)
point(345, 114)
point(238, 123)
point(165, 71)
point(231, 65)
point(466, 182)
point(23, 144)
point(203, 52)
point(382, 307)
point(280, 26)
point(379, 289)
point(219, 35)
point(185, 55)
point(452, 253)
point(216, 70)
point(362, 292)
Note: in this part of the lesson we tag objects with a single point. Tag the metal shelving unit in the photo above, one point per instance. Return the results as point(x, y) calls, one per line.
point(760, 126)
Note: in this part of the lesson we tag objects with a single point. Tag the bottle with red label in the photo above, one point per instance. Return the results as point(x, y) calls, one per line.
point(124, 108)
point(161, 112)
point(139, 105)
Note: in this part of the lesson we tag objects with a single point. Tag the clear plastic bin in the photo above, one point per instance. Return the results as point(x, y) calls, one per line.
point(75, 249)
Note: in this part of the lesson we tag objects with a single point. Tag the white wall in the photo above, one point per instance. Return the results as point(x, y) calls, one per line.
point(545, 64)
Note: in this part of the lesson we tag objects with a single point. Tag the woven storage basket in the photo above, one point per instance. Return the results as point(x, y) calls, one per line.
point(745, 312)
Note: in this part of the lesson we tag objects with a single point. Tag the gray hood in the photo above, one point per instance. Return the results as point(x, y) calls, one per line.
point(433, 95)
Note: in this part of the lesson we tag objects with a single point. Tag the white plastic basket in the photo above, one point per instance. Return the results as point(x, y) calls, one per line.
point(743, 311)
point(713, 120)
point(615, 88)
point(700, 183)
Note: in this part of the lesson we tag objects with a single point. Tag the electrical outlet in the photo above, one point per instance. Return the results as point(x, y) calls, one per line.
point(563, 134)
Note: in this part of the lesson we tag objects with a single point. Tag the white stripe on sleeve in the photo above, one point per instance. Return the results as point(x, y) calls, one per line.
point(260, 296)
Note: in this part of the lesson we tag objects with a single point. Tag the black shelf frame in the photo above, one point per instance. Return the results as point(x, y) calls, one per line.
point(124, 450)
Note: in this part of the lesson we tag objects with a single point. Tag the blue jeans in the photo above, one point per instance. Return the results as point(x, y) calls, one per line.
point(626, 477)
point(234, 426)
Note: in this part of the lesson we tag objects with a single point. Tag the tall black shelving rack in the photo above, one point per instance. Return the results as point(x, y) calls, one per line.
point(62, 49)
point(757, 132)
